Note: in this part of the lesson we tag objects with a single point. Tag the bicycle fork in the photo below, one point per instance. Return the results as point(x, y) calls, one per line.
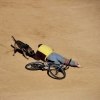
point(59, 68)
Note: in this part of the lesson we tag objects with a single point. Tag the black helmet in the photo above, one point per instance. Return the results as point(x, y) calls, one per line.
point(39, 45)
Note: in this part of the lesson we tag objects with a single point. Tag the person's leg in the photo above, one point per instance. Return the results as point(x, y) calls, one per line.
point(65, 61)
point(58, 59)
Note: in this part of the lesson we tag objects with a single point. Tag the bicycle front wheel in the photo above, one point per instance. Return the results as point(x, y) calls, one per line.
point(34, 66)
point(57, 72)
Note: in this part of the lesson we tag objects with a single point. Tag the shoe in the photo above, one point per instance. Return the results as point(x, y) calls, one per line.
point(79, 66)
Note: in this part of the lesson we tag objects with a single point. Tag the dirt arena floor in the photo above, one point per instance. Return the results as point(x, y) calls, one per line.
point(71, 28)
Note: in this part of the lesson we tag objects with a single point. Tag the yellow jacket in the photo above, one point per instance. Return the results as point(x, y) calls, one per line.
point(46, 50)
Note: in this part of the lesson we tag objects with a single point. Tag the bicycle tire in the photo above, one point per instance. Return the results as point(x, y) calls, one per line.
point(56, 72)
point(52, 76)
point(34, 66)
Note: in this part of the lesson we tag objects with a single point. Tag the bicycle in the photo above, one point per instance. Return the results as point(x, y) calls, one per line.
point(53, 70)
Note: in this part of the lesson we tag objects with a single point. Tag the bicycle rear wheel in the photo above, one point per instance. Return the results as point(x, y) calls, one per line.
point(34, 66)
point(56, 72)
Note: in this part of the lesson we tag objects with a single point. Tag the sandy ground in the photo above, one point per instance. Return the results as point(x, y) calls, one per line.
point(71, 27)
